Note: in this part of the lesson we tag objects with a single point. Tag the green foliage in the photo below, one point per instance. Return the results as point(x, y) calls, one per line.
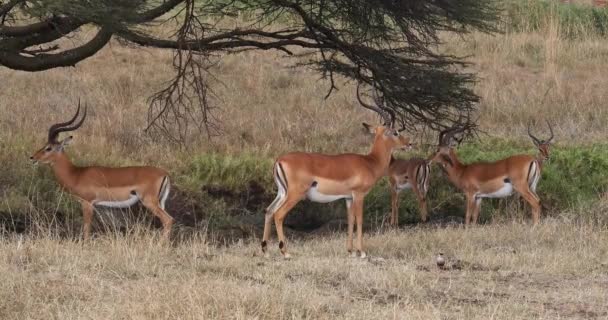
point(572, 177)
point(227, 171)
point(574, 20)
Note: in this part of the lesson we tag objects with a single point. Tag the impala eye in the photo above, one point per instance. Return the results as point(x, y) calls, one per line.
point(48, 149)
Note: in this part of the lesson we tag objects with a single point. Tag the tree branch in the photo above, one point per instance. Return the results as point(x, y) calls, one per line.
point(157, 12)
point(66, 58)
point(6, 8)
point(227, 41)
point(39, 27)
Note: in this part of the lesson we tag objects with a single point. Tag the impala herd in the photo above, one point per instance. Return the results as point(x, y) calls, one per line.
point(313, 176)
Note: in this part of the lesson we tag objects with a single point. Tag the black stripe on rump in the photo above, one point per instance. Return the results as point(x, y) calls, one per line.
point(162, 187)
point(419, 175)
point(284, 176)
point(530, 171)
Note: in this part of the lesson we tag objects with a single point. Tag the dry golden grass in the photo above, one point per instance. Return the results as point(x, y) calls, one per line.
point(268, 108)
point(507, 270)
point(557, 270)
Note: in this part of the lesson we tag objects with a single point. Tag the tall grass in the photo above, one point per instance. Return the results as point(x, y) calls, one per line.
point(536, 70)
point(575, 20)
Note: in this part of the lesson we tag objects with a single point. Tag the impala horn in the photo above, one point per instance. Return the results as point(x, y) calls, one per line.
point(551, 130)
point(57, 128)
point(538, 141)
point(446, 135)
point(387, 114)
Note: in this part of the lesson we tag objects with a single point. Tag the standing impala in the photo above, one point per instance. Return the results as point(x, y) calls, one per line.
point(102, 186)
point(493, 179)
point(325, 178)
point(414, 174)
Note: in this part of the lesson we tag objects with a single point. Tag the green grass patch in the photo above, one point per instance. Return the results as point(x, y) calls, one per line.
point(575, 177)
point(574, 20)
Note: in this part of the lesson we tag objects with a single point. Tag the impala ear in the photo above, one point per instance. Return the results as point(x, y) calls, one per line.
point(369, 129)
point(65, 142)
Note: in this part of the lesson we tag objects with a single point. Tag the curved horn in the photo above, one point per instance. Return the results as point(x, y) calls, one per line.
point(447, 134)
point(402, 127)
point(376, 109)
point(391, 115)
point(70, 128)
point(535, 139)
point(53, 129)
point(551, 130)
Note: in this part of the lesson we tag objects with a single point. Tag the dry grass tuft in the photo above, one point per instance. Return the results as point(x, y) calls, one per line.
point(555, 270)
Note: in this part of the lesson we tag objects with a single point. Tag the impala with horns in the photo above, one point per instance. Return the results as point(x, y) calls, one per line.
point(498, 179)
point(325, 178)
point(414, 174)
point(102, 186)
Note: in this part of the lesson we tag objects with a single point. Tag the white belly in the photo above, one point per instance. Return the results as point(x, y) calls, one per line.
point(314, 195)
point(118, 204)
point(505, 191)
point(404, 186)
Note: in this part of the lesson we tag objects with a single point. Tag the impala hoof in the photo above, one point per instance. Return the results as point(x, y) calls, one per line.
point(353, 254)
point(363, 255)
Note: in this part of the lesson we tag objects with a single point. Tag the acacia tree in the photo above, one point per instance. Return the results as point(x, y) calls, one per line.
point(389, 45)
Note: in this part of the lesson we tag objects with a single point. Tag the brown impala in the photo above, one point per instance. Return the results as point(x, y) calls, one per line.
point(414, 174)
point(102, 186)
point(325, 178)
point(493, 179)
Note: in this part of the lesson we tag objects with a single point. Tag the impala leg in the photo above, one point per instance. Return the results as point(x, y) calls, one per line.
point(422, 203)
point(358, 211)
point(165, 218)
point(267, 226)
point(87, 218)
point(351, 226)
point(476, 207)
point(394, 221)
point(279, 217)
point(534, 202)
point(470, 208)
point(269, 218)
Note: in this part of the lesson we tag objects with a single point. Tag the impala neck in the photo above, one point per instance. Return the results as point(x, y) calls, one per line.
point(65, 171)
point(381, 155)
point(456, 168)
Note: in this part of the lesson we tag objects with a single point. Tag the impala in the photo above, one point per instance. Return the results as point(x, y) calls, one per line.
point(493, 179)
point(412, 174)
point(102, 186)
point(325, 178)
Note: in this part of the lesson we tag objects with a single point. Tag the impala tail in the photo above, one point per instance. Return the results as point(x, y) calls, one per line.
point(163, 192)
point(533, 175)
point(281, 181)
point(422, 176)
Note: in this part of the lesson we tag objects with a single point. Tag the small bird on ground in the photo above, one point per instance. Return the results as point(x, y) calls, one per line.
point(440, 260)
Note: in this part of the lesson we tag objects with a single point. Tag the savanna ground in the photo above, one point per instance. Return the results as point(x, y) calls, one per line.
point(541, 67)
